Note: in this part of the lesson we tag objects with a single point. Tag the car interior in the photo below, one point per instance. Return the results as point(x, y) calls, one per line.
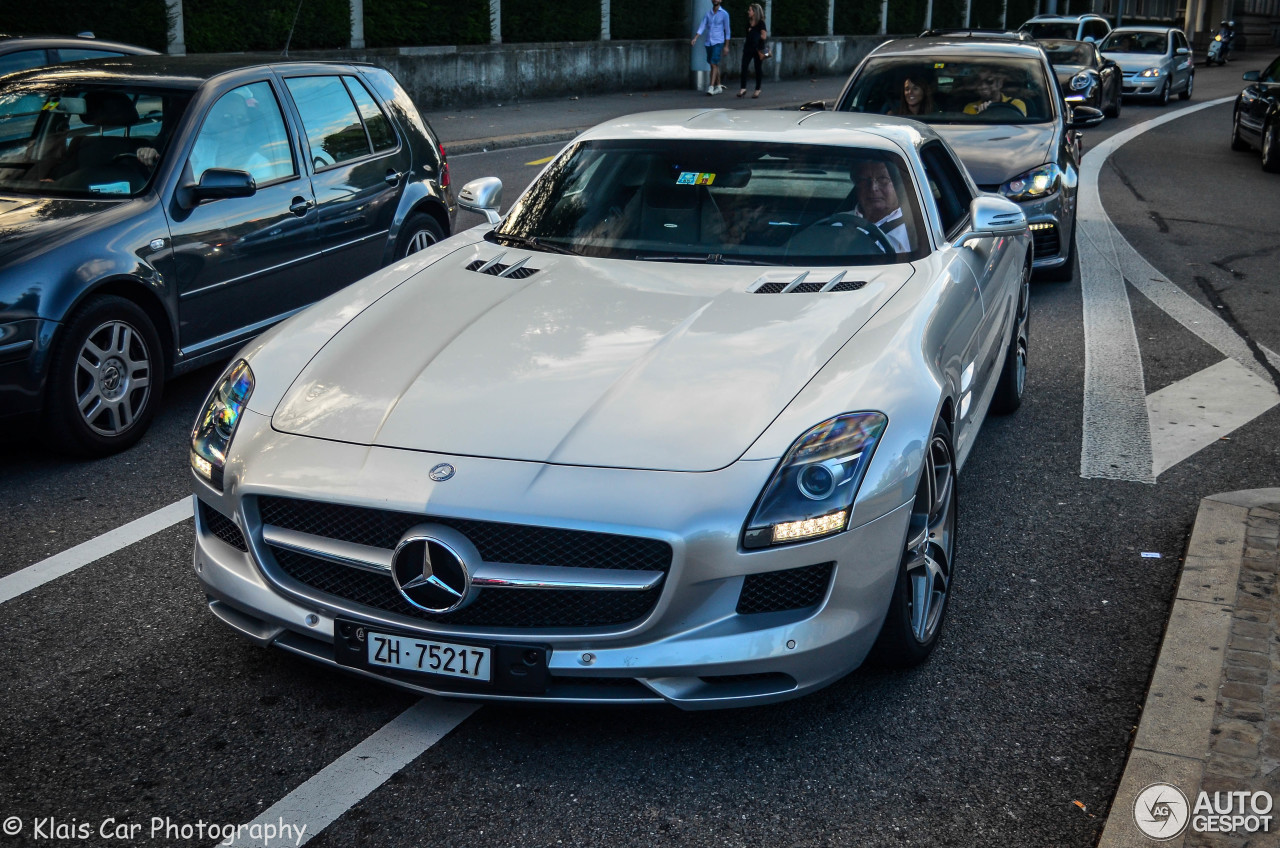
point(878, 90)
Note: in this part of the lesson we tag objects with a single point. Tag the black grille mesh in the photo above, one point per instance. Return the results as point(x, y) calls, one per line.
point(793, 588)
point(496, 542)
point(497, 268)
point(771, 288)
point(1045, 243)
point(848, 285)
point(222, 527)
point(808, 288)
point(549, 608)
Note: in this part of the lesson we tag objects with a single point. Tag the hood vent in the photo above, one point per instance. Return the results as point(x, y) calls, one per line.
point(495, 268)
point(803, 284)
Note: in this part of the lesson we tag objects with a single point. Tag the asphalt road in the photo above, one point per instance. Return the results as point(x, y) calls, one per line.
point(123, 697)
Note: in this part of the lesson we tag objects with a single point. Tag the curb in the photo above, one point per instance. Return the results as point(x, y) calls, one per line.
point(1172, 743)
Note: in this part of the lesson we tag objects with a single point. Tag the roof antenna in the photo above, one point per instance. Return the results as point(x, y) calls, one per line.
point(292, 27)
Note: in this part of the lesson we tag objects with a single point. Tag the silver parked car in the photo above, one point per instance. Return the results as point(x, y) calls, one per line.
point(997, 103)
point(683, 426)
point(1156, 61)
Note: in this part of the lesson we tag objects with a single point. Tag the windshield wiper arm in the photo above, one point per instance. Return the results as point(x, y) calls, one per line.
point(533, 243)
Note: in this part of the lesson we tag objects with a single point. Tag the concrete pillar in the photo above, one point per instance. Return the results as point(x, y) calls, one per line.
point(495, 21)
point(768, 15)
point(700, 71)
point(1004, 14)
point(604, 20)
point(177, 45)
point(357, 24)
point(968, 12)
point(928, 14)
point(884, 17)
point(831, 17)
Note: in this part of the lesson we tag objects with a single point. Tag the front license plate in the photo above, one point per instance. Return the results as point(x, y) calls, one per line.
point(445, 658)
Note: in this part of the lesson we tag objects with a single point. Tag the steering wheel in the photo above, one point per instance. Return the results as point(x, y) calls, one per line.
point(877, 236)
point(1013, 111)
point(855, 236)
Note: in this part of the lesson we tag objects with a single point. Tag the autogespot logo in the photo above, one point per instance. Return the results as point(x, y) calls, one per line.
point(1161, 811)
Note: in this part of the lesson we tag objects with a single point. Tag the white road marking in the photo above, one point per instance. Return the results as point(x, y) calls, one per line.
point(1117, 442)
point(34, 576)
point(1192, 414)
point(349, 779)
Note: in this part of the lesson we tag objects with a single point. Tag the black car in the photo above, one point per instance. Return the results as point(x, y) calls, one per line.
point(1256, 121)
point(155, 213)
point(22, 52)
point(1085, 76)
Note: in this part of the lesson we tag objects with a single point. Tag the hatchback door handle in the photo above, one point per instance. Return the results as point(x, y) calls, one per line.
point(393, 177)
point(300, 205)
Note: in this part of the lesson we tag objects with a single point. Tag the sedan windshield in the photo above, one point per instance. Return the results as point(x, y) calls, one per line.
point(730, 202)
point(1069, 53)
point(83, 141)
point(1135, 42)
point(1051, 29)
point(980, 90)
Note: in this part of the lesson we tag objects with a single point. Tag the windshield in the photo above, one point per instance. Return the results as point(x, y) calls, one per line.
point(83, 141)
point(1135, 42)
point(731, 202)
point(1068, 52)
point(971, 91)
point(1051, 29)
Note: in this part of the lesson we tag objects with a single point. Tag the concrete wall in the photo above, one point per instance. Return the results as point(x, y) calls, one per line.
point(444, 77)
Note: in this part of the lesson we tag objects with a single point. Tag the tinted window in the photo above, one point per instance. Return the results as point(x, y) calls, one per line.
point(1272, 73)
point(1153, 43)
point(244, 131)
point(1068, 52)
point(1098, 29)
point(22, 59)
point(70, 55)
point(1014, 91)
point(1180, 40)
point(334, 130)
point(1052, 29)
point(374, 121)
point(947, 186)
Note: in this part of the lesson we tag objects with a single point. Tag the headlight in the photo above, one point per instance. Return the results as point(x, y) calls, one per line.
point(811, 492)
point(211, 436)
point(1081, 81)
point(1151, 72)
point(1037, 182)
point(1217, 38)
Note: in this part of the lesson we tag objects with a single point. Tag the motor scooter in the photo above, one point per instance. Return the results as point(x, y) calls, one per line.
point(1220, 48)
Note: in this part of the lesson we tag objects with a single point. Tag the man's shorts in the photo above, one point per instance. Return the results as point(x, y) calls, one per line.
point(713, 53)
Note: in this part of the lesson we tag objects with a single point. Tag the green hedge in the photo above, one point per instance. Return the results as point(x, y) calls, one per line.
point(857, 17)
point(221, 26)
point(524, 21)
point(792, 17)
point(399, 23)
point(141, 22)
point(649, 19)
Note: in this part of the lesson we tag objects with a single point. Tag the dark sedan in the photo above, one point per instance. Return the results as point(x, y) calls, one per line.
point(1256, 120)
point(156, 213)
point(1085, 76)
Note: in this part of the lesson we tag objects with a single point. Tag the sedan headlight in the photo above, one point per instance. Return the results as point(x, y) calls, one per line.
point(812, 490)
point(1081, 81)
point(1037, 182)
point(1152, 72)
point(211, 436)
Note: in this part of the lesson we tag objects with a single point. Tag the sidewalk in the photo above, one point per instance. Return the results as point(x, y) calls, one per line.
point(520, 123)
point(1211, 721)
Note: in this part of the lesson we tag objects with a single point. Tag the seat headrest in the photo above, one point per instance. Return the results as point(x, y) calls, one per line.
point(109, 109)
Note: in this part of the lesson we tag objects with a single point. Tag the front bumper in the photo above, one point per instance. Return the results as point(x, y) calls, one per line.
point(1136, 86)
point(25, 346)
point(1051, 220)
point(692, 647)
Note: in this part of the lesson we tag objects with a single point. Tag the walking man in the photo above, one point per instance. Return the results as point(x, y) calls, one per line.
point(716, 24)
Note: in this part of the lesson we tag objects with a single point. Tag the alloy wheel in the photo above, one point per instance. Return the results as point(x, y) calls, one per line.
point(931, 540)
point(421, 240)
point(112, 378)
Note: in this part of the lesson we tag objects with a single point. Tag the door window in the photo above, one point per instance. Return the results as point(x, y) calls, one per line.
point(70, 55)
point(21, 60)
point(245, 131)
point(948, 187)
point(1271, 74)
point(380, 132)
point(335, 132)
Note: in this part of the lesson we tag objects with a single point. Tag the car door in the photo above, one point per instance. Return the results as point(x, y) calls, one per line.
point(1182, 59)
point(971, 330)
point(1260, 97)
point(242, 263)
point(359, 170)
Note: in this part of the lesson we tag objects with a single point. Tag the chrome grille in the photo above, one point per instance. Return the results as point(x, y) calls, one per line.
point(789, 589)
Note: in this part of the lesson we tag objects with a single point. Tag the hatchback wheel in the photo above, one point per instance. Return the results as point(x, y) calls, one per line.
point(1163, 99)
point(1271, 147)
point(1185, 94)
point(419, 232)
point(106, 379)
point(919, 602)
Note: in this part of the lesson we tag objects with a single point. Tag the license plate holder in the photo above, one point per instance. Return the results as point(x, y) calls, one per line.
point(516, 668)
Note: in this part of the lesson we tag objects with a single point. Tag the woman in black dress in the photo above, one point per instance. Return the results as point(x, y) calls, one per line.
point(753, 47)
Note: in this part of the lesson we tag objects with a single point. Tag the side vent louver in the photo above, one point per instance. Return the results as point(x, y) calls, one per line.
point(802, 284)
point(495, 268)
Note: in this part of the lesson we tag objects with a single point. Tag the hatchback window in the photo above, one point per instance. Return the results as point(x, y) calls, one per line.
point(978, 90)
point(335, 132)
point(20, 60)
point(66, 54)
point(1153, 43)
point(379, 127)
point(244, 131)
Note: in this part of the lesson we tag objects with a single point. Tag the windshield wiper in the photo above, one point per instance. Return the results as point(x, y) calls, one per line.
point(533, 243)
point(709, 259)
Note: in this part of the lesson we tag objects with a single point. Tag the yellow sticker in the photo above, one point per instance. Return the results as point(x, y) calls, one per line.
point(50, 106)
point(939, 65)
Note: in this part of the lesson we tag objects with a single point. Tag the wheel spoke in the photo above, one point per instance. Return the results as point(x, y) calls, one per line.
point(93, 350)
point(124, 413)
point(921, 604)
point(89, 366)
point(90, 404)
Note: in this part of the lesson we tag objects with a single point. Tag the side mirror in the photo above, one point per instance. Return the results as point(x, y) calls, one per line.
point(992, 217)
point(814, 106)
point(217, 184)
point(1085, 116)
point(1089, 39)
point(483, 196)
point(1182, 51)
point(1251, 76)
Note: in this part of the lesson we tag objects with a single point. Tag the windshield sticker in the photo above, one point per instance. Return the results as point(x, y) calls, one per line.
point(694, 178)
point(110, 188)
point(50, 106)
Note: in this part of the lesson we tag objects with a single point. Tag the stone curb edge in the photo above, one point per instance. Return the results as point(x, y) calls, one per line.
point(1172, 741)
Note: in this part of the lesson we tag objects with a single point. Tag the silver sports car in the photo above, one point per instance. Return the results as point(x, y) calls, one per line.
point(683, 426)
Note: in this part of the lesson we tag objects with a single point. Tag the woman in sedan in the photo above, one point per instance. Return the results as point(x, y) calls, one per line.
point(917, 97)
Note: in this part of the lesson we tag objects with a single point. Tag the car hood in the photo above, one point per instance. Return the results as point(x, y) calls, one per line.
point(585, 362)
point(1134, 62)
point(35, 225)
point(995, 154)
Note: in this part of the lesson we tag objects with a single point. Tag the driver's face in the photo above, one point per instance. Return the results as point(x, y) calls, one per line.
point(990, 87)
point(876, 194)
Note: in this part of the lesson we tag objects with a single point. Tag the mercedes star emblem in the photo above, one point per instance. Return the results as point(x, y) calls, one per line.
point(430, 574)
point(441, 472)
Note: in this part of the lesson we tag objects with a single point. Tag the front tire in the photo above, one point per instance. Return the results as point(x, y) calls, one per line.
point(1271, 147)
point(1013, 376)
point(1163, 98)
point(1237, 142)
point(914, 620)
point(105, 380)
point(1113, 111)
point(417, 233)
point(1185, 94)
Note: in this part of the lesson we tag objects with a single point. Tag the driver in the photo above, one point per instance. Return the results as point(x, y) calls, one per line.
point(990, 87)
point(878, 202)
